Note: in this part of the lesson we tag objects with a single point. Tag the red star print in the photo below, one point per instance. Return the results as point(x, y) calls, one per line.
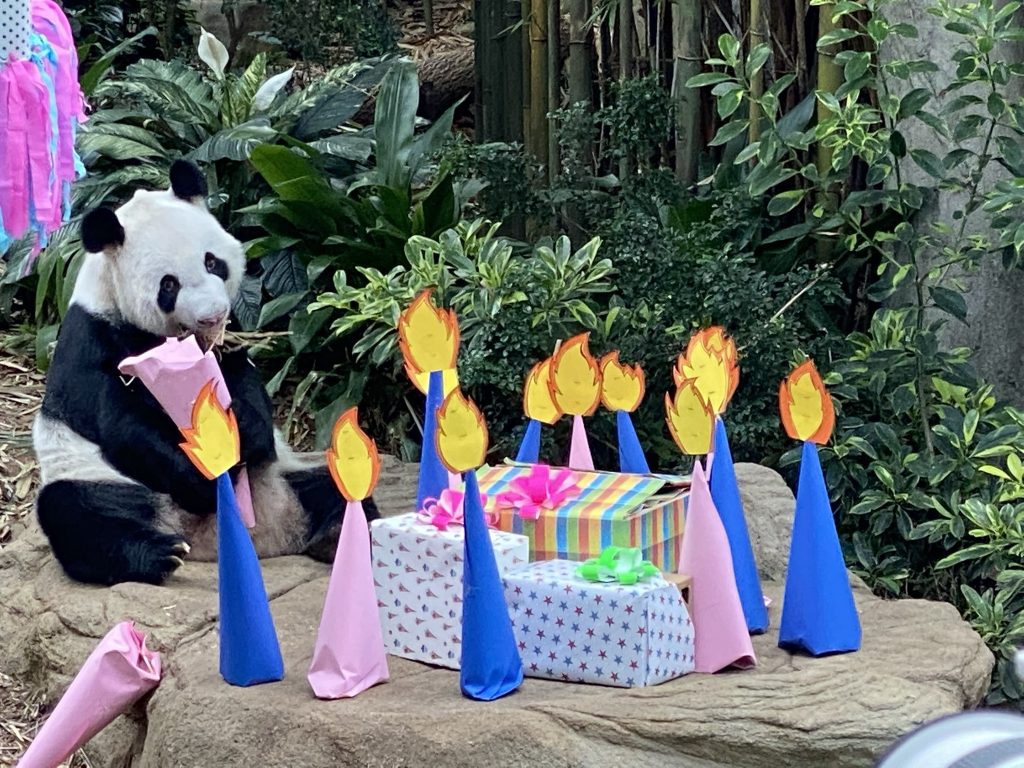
point(633, 664)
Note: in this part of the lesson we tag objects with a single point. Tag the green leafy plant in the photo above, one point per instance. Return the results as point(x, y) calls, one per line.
point(317, 30)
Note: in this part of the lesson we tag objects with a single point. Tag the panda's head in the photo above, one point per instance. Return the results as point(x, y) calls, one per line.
point(161, 262)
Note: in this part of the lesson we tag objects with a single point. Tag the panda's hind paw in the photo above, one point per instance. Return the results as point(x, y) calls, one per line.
point(153, 560)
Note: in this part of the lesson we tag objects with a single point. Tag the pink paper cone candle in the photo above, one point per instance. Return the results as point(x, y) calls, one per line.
point(174, 373)
point(579, 450)
point(720, 629)
point(117, 673)
point(349, 653)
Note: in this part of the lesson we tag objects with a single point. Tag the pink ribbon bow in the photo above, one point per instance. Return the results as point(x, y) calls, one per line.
point(448, 510)
point(542, 489)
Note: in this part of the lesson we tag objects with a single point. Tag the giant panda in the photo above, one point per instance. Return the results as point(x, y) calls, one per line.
point(119, 500)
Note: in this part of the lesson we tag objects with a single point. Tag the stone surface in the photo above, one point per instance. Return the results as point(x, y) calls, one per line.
point(768, 504)
point(919, 661)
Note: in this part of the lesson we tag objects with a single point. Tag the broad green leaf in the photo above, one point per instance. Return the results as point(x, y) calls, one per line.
point(949, 300)
point(395, 123)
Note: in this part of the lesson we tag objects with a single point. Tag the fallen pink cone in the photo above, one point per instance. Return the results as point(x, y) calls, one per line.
point(174, 373)
point(349, 654)
point(579, 449)
point(721, 638)
point(116, 675)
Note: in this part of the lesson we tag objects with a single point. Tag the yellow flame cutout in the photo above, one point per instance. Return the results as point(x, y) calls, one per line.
point(691, 419)
point(537, 401)
point(711, 361)
point(429, 340)
point(461, 433)
point(352, 458)
point(622, 386)
point(575, 378)
point(212, 442)
point(805, 405)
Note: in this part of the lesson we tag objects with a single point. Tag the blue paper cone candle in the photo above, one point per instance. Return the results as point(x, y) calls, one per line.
point(622, 390)
point(539, 407)
point(249, 651)
point(490, 664)
point(433, 476)
point(726, 495)
point(819, 615)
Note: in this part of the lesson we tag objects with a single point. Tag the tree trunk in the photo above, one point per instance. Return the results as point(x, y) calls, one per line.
point(539, 80)
point(554, 78)
point(686, 47)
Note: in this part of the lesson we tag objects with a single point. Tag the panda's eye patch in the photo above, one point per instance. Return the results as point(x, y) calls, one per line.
point(216, 266)
point(168, 295)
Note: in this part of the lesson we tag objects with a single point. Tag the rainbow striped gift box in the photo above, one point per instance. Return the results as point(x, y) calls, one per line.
point(612, 508)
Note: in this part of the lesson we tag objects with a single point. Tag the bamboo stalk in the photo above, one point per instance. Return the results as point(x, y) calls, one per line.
point(428, 16)
point(526, 73)
point(756, 79)
point(511, 44)
point(800, 21)
point(482, 131)
point(554, 77)
point(625, 31)
point(686, 47)
point(830, 78)
point(539, 79)
point(580, 72)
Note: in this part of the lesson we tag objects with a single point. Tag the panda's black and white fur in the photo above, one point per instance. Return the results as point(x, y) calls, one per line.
point(120, 501)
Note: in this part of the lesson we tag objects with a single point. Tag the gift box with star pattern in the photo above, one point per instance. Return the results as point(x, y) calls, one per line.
point(578, 631)
point(417, 572)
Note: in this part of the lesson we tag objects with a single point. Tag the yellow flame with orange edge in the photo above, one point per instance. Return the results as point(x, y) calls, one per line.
point(429, 339)
point(805, 405)
point(691, 419)
point(575, 377)
point(538, 404)
point(461, 433)
point(212, 442)
point(711, 361)
point(352, 458)
point(622, 385)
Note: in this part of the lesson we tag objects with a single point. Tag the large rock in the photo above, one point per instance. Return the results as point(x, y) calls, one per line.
point(919, 661)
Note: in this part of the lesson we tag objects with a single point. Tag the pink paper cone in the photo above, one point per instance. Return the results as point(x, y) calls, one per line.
point(349, 654)
point(721, 638)
point(174, 373)
point(455, 481)
point(579, 451)
point(117, 673)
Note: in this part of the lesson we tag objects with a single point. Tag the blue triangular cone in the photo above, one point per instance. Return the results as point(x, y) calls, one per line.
point(249, 651)
point(433, 476)
point(529, 449)
point(726, 495)
point(818, 611)
point(490, 667)
point(631, 455)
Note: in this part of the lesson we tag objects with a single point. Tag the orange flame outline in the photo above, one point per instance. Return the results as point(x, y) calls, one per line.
point(690, 419)
point(622, 385)
point(429, 340)
point(212, 442)
point(711, 360)
point(461, 436)
point(352, 458)
point(806, 406)
point(575, 377)
point(538, 404)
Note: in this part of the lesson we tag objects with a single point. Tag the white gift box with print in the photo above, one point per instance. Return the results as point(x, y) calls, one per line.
point(417, 570)
point(591, 632)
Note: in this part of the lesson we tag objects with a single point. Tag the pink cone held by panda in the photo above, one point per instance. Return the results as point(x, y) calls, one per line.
point(117, 673)
point(174, 373)
point(349, 654)
point(721, 638)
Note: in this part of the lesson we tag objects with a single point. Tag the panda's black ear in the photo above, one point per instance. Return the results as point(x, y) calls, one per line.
point(188, 182)
point(101, 230)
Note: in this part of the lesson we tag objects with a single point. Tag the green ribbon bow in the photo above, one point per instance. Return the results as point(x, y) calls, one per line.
point(623, 564)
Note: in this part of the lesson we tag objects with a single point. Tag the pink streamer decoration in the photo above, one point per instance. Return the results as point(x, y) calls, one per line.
point(448, 510)
point(541, 490)
point(116, 675)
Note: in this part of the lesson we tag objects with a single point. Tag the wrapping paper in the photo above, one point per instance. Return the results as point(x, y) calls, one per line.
point(605, 633)
point(349, 653)
point(819, 615)
point(174, 373)
point(417, 571)
point(490, 667)
point(117, 673)
point(612, 509)
point(721, 638)
point(726, 495)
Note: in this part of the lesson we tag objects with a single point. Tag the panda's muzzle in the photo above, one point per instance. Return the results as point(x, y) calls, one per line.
point(210, 330)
